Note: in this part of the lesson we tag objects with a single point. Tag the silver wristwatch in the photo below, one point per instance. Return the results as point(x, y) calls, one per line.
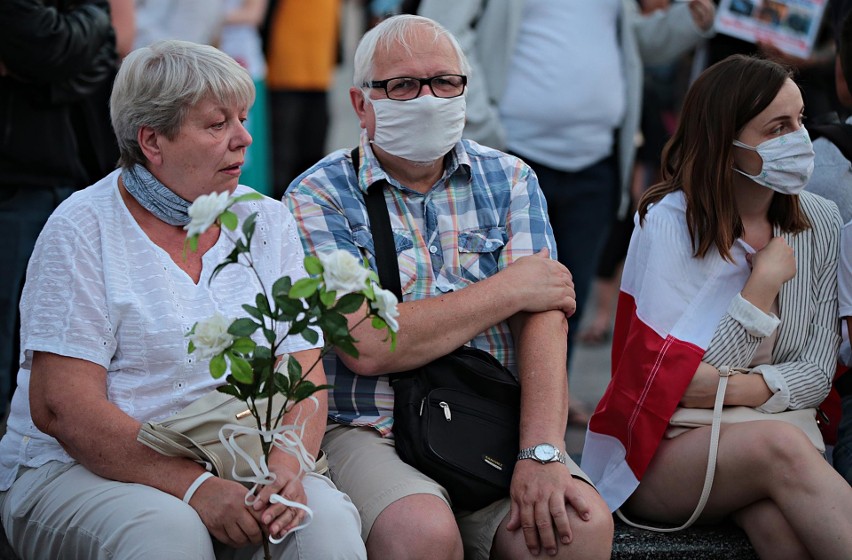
point(543, 453)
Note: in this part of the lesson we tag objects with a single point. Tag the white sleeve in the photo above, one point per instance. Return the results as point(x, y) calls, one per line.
point(64, 303)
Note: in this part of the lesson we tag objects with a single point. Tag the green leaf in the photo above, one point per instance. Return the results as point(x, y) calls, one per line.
point(282, 383)
point(253, 311)
point(304, 390)
point(294, 384)
point(247, 196)
point(190, 348)
point(349, 303)
point(228, 220)
point(294, 368)
point(327, 298)
point(304, 287)
point(245, 389)
point(298, 327)
point(193, 243)
point(288, 308)
point(270, 335)
point(378, 323)
point(310, 336)
point(258, 376)
point(281, 287)
point(243, 345)
point(218, 366)
point(230, 390)
point(262, 304)
point(347, 347)
point(334, 324)
point(338, 339)
point(248, 225)
point(243, 327)
point(241, 370)
point(262, 353)
point(313, 265)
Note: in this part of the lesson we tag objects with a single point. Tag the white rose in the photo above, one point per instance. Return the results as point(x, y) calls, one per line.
point(211, 336)
point(385, 306)
point(205, 210)
point(343, 273)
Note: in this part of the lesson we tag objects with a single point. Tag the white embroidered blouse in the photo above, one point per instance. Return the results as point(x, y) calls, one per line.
point(99, 289)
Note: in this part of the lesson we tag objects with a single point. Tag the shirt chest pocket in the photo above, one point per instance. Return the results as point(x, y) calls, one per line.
point(406, 259)
point(479, 252)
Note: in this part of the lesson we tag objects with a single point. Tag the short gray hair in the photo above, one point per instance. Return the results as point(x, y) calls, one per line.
point(398, 29)
point(158, 84)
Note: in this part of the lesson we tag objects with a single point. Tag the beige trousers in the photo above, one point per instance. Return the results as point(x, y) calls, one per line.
point(63, 511)
point(366, 466)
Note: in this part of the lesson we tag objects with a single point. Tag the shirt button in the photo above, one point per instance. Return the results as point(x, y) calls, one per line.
point(433, 249)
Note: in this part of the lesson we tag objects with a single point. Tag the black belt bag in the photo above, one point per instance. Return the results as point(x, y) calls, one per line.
point(457, 420)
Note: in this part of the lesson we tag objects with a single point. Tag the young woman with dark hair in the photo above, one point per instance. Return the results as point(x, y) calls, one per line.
point(731, 266)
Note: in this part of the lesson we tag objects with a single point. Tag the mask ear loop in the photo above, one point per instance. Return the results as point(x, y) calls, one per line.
point(744, 146)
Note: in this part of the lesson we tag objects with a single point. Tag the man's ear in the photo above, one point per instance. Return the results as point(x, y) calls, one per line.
point(149, 142)
point(359, 103)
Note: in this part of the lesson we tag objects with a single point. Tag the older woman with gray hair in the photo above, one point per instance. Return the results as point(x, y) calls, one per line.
point(109, 297)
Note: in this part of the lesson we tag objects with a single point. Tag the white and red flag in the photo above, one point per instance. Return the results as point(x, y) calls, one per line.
point(669, 307)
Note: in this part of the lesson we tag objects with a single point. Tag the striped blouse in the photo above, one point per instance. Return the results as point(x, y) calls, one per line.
point(805, 353)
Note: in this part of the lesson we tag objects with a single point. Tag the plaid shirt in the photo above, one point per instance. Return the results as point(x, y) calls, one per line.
point(485, 212)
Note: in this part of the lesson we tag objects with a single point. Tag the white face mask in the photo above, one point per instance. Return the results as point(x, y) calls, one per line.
point(788, 162)
point(422, 129)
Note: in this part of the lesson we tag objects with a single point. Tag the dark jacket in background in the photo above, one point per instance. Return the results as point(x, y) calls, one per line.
point(54, 114)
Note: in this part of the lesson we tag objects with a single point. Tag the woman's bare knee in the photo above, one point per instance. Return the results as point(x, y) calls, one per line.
point(782, 450)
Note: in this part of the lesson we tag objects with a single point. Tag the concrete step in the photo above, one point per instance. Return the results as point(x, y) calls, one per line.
point(718, 542)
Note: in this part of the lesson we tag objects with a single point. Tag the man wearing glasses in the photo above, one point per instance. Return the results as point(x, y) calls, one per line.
point(477, 266)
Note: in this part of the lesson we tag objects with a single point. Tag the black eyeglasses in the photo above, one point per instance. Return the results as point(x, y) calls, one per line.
point(406, 88)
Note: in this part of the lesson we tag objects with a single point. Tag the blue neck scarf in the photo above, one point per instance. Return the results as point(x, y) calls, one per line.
point(154, 196)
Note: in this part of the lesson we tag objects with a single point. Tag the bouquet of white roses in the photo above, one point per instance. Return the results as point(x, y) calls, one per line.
point(337, 285)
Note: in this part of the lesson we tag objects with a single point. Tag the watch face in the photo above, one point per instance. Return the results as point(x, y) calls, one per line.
point(544, 452)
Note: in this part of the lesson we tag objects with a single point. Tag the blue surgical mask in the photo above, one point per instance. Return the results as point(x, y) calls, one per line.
point(788, 162)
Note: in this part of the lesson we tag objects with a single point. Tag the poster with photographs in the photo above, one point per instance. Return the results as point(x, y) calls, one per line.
point(790, 25)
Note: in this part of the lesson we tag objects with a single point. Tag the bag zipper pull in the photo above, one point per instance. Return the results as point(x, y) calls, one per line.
point(446, 408)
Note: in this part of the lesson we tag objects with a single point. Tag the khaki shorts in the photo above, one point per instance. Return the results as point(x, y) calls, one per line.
point(366, 467)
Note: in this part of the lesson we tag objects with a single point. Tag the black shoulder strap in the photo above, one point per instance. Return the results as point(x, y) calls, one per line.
point(839, 134)
point(380, 227)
